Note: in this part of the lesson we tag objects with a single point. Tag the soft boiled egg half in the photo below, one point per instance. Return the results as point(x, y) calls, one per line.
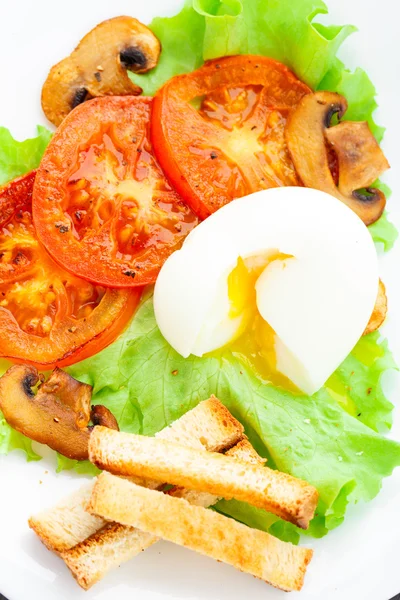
point(286, 277)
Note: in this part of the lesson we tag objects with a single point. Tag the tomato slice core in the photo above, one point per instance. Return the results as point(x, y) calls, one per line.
point(218, 132)
point(48, 316)
point(102, 205)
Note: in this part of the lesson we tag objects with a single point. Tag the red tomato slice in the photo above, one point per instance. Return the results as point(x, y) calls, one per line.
point(234, 144)
point(49, 317)
point(101, 204)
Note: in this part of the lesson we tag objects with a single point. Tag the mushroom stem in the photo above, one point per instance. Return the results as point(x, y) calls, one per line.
point(100, 415)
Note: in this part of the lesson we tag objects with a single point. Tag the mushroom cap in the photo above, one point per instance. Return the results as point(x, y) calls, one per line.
point(57, 415)
point(360, 159)
point(98, 66)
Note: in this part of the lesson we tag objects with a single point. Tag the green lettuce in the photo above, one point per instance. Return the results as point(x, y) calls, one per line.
point(328, 439)
point(83, 467)
point(384, 232)
point(17, 158)
point(12, 440)
point(287, 31)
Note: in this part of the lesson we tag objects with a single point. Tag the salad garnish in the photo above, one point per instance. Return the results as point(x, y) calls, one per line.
point(247, 97)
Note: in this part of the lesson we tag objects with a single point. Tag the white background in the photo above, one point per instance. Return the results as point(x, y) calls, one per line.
point(358, 561)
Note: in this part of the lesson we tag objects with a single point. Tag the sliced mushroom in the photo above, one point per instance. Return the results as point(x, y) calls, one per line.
point(98, 66)
point(57, 415)
point(379, 314)
point(361, 161)
point(69, 392)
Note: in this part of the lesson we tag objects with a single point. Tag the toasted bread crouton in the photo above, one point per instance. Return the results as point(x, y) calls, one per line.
point(209, 425)
point(243, 450)
point(105, 550)
point(67, 523)
point(279, 563)
point(125, 454)
point(113, 545)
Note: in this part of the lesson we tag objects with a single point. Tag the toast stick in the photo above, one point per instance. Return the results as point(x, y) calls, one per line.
point(125, 454)
point(209, 425)
point(279, 563)
point(115, 544)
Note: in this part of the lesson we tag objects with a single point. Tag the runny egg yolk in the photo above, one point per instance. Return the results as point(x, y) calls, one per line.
point(255, 340)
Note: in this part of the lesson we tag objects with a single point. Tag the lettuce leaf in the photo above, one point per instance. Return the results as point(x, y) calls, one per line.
point(384, 232)
point(327, 439)
point(287, 31)
point(17, 158)
point(12, 440)
point(83, 467)
point(210, 28)
point(364, 365)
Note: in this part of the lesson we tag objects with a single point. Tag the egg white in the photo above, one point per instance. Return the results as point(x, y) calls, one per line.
point(318, 302)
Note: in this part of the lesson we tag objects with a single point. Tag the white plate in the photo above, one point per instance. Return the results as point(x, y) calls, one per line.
point(359, 560)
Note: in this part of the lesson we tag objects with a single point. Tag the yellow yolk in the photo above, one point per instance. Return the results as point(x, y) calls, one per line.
point(255, 340)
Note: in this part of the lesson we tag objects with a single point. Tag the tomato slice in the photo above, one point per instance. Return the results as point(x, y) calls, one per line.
point(101, 204)
point(49, 317)
point(14, 197)
point(218, 132)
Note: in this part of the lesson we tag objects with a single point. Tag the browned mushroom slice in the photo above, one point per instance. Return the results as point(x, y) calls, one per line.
point(379, 313)
point(57, 415)
point(361, 161)
point(98, 66)
point(69, 392)
point(100, 415)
